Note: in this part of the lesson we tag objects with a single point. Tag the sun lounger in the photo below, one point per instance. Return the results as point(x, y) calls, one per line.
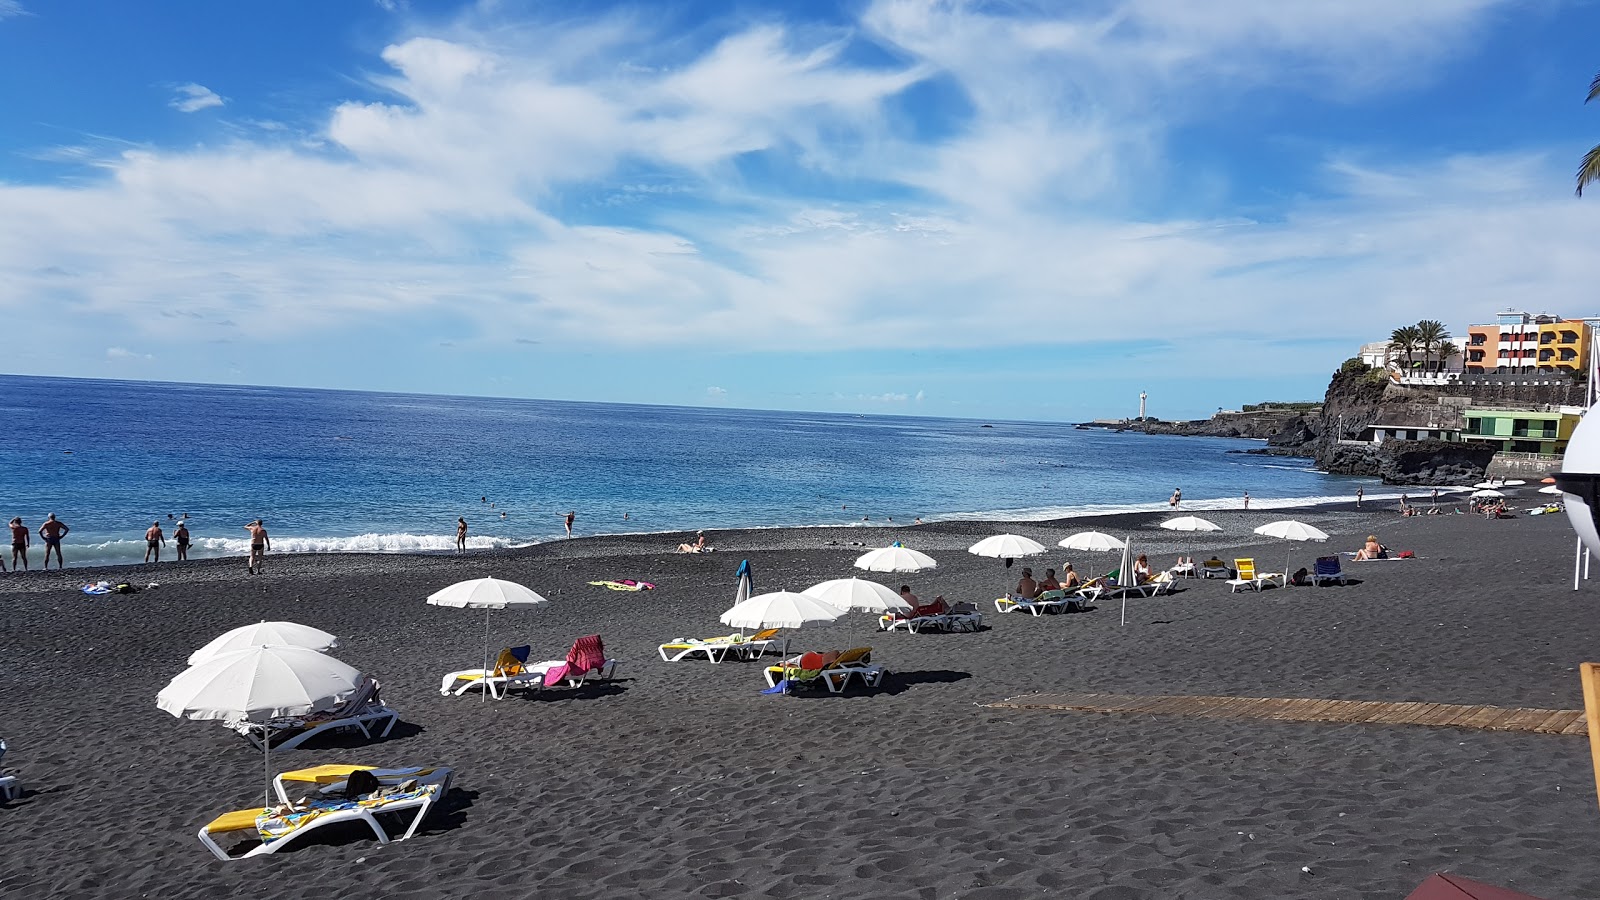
point(1215, 568)
point(935, 616)
point(1246, 577)
point(332, 778)
point(1327, 570)
point(833, 671)
point(508, 665)
point(1049, 601)
point(586, 658)
point(10, 785)
point(277, 827)
point(363, 711)
point(715, 649)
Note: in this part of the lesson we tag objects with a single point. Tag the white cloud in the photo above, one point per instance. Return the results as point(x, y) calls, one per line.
point(716, 392)
point(120, 354)
point(1008, 227)
point(10, 8)
point(193, 98)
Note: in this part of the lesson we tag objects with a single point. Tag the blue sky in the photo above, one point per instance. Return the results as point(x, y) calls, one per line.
point(985, 209)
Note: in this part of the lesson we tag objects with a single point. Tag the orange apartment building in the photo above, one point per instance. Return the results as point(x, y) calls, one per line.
point(1520, 342)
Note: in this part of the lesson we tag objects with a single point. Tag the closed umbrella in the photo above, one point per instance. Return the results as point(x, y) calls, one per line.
point(1290, 530)
point(1007, 547)
point(266, 634)
point(258, 685)
point(746, 584)
point(1190, 523)
point(485, 594)
point(895, 558)
point(1125, 576)
point(859, 595)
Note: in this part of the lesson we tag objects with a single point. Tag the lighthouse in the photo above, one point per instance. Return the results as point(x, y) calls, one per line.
point(1142, 395)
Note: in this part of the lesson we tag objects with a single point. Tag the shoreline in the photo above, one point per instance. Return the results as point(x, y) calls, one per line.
point(974, 522)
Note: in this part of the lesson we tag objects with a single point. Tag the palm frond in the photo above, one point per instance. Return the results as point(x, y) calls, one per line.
point(1589, 170)
point(1594, 89)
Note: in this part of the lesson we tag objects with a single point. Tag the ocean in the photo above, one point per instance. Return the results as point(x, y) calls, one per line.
point(356, 471)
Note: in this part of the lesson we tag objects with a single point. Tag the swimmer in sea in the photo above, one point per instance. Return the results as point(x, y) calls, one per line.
point(570, 517)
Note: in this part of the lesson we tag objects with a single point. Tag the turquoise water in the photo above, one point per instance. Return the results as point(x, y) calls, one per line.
point(342, 470)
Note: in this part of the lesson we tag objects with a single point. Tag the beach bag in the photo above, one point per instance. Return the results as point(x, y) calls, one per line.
point(125, 588)
point(360, 783)
point(1406, 554)
point(1300, 578)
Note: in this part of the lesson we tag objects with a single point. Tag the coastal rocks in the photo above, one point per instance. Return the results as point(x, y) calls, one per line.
point(1436, 463)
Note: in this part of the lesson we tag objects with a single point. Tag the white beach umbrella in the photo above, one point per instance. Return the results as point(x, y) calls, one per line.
point(1093, 541)
point(858, 594)
point(485, 594)
point(1515, 482)
point(1486, 494)
point(781, 609)
point(1190, 523)
point(1007, 546)
point(266, 634)
point(894, 558)
point(1550, 489)
point(1290, 530)
point(257, 685)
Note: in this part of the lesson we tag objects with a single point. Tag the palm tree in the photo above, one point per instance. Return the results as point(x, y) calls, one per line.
point(1431, 334)
point(1405, 340)
point(1447, 351)
point(1589, 169)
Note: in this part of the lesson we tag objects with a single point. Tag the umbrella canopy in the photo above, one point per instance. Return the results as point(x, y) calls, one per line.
point(1486, 494)
point(485, 593)
point(1515, 482)
point(1093, 541)
point(1290, 530)
point(258, 684)
point(266, 634)
point(1007, 546)
point(858, 594)
point(1453, 887)
point(780, 609)
point(1190, 523)
point(1550, 489)
point(894, 559)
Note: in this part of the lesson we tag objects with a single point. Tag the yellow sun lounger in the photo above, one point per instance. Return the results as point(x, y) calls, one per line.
point(277, 828)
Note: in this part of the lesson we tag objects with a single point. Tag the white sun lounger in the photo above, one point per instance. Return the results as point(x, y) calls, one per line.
point(10, 787)
point(331, 779)
point(714, 650)
point(366, 811)
point(363, 712)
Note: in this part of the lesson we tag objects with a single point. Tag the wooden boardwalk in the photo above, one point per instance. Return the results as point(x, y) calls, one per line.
point(1489, 718)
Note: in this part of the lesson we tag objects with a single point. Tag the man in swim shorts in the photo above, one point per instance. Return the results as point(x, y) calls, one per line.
point(20, 539)
point(53, 530)
point(461, 534)
point(259, 545)
point(180, 537)
point(154, 540)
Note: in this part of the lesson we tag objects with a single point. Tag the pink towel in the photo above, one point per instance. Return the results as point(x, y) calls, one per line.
point(587, 655)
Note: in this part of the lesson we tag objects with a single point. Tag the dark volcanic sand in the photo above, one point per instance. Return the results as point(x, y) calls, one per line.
point(683, 780)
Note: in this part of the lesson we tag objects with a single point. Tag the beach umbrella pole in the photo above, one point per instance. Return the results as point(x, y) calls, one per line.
point(266, 765)
point(486, 672)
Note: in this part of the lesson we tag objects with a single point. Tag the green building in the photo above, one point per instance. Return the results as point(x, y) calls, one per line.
point(1520, 430)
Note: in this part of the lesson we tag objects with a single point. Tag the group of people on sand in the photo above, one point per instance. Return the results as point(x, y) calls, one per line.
point(51, 532)
point(1030, 588)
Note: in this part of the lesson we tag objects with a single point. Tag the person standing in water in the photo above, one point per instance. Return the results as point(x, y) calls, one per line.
point(259, 545)
point(154, 540)
point(570, 517)
point(461, 534)
point(1177, 497)
point(180, 538)
point(1246, 499)
point(53, 530)
point(20, 539)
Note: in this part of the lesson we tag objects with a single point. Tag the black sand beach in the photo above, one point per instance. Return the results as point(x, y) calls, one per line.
point(682, 780)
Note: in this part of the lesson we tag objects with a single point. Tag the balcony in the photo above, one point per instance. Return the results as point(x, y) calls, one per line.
point(1548, 434)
